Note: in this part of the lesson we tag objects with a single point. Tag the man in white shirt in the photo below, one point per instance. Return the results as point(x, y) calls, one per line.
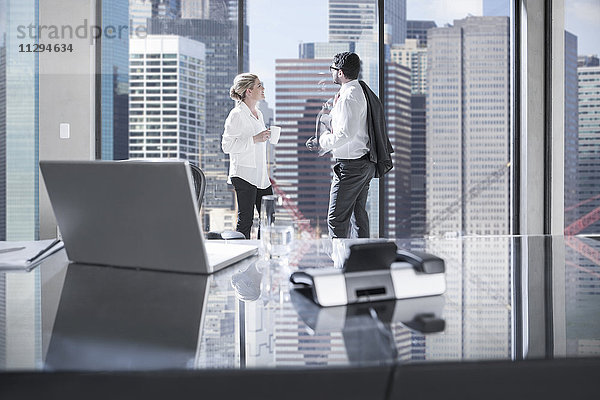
point(348, 140)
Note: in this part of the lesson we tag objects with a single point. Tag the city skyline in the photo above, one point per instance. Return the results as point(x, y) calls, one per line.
point(308, 23)
point(220, 38)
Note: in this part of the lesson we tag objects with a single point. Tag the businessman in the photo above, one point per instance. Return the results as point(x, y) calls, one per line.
point(348, 140)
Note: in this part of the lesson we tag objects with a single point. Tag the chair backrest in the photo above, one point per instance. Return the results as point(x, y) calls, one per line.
point(200, 186)
point(199, 183)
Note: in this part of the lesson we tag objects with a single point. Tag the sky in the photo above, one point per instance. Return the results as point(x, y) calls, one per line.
point(278, 27)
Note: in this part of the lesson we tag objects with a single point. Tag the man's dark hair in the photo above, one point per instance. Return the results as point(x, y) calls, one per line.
point(349, 63)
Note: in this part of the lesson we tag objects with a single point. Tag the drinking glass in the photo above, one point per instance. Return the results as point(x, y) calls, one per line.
point(276, 236)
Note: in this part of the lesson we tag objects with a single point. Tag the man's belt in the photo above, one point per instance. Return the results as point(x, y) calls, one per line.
point(364, 157)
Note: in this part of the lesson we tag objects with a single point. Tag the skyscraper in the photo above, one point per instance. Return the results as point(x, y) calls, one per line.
point(114, 87)
point(413, 57)
point(589, 142)
point(356, 20)
point(571, 128)
point(167, 110)
point(418, 162)
point(468, 127)
point(397, 191)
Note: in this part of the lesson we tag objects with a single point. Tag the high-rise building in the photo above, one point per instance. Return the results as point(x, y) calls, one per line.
point(468, 127)
point(418, 30)
point(418, 163)
point(571, 128)
point(413, 57)
point(19, 131)
point(397, 189)
point(114, 90)
point(589, 142)
point(167, 109)
point(220, 39)
point(356, 20)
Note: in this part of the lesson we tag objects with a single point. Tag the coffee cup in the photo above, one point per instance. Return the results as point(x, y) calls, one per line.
point(275, 131)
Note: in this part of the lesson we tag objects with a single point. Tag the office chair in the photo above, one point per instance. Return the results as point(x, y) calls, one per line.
point(199, 183)
point(200, 187)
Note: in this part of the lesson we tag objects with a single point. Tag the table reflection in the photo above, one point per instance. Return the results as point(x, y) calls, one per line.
point(115, 318)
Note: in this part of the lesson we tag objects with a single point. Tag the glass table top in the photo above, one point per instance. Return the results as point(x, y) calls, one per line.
point(507, 298)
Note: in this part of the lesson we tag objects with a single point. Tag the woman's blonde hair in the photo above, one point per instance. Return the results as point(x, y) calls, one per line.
point(241, 83)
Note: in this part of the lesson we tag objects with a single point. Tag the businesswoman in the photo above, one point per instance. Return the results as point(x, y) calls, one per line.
point(244, 139)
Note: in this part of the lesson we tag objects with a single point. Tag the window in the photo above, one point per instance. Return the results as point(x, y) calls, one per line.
point(298, 85)
point(445, 75)
point(19, 131)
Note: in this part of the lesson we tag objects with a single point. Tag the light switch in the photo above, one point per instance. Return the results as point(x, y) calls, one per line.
point(65, 131)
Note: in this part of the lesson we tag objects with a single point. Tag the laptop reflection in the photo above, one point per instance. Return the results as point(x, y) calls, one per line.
point(121, 319)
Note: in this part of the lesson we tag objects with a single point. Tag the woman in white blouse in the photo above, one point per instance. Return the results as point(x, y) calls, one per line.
point(244, 139)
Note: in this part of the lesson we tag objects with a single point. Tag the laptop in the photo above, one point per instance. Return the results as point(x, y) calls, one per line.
point(139, 214)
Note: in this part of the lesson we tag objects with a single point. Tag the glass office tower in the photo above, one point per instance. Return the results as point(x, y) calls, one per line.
point(397, 190)
point(571, 128)
point(115, 82)
point(418, 195)
point(468, 127)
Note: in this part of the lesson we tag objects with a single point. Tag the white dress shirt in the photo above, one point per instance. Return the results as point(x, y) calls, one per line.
point(349, 137)
point(248, 160)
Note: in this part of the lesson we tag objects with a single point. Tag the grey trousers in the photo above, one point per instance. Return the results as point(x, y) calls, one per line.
point(348, 196)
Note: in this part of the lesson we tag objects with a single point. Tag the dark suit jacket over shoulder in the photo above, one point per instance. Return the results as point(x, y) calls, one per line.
point(380, 148)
